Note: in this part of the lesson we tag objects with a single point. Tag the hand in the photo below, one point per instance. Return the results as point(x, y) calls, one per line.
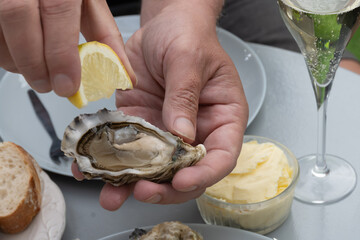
point(39, 39)
point(189, 86)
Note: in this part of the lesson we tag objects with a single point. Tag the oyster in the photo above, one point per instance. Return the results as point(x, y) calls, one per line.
point(121, 149)
point(173, 230)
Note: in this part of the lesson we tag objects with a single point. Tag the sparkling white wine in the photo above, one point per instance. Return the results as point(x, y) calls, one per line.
point(322, 29)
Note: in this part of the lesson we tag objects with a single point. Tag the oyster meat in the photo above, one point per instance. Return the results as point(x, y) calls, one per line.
point(121, 149)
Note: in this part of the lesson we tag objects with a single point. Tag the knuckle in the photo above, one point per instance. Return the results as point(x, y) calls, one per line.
point(186, 98)
point(193, 53)
point(185, 49)
point(11, 10)
point(59, 50)
point(30, 66)
point(191, 47)
point(57, 8)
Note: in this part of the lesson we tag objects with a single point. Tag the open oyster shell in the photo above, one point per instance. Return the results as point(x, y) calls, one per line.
point(121, 149)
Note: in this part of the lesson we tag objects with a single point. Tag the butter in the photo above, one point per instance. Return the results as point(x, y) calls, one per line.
point(261, 173)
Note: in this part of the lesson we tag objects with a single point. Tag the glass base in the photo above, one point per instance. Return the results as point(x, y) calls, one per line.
point(324, 188)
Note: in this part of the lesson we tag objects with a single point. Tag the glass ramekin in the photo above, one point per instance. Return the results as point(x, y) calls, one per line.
point(260, 217)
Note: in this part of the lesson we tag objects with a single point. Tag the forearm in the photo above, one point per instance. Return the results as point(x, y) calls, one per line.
point(207, 8)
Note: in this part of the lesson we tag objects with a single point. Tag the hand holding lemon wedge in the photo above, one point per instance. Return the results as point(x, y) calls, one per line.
point(102, 72)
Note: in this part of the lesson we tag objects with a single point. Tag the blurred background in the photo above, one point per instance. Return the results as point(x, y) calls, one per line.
point(256, 21)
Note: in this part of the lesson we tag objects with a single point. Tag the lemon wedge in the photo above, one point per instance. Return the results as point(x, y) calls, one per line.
point(102, 72)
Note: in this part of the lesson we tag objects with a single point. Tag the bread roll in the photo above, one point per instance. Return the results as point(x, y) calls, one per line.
point(20, 188)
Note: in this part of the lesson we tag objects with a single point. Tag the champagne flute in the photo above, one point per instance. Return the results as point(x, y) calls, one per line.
point(322, 29)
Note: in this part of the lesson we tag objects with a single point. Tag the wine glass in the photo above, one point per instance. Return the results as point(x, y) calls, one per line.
point(322, 29)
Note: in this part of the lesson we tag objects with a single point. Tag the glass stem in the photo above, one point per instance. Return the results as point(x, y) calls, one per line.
point(321, 168)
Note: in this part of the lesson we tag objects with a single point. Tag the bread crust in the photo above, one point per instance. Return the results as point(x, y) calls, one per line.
point(29, 206)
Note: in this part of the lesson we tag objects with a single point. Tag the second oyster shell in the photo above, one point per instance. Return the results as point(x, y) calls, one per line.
point(173, 230)
point(122, 149)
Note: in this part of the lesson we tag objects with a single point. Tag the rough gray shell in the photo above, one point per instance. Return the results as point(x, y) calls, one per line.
point(121, 149)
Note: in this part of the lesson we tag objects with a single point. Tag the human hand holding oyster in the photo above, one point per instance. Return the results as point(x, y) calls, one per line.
point(187, 85)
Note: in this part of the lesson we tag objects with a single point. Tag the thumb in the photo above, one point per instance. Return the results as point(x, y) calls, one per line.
point(182, 98)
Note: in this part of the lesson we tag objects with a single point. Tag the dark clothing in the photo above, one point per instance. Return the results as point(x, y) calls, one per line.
point(124, 7)
point(257, 21)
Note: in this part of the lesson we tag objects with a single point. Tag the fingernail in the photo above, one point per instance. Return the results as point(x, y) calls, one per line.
point(185, 128)
point(153, 199)
point(63, 85)
point(41, 85)
point(188, 189)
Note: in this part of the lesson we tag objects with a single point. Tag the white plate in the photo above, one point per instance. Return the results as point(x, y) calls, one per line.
point(50, 221)
point(209, 232)
point(19, 124)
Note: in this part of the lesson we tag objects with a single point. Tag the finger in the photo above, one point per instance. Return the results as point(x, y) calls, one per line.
point(182, 95)
point(150, 192)
point(6, 61)
point(76, 172)
point(223, 145)
point(98, 24)
point(207, 172)
point(21, 26)
point(111, 197)
point(61, 24)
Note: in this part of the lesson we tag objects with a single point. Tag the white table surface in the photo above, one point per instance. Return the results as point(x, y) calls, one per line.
point(289, 116)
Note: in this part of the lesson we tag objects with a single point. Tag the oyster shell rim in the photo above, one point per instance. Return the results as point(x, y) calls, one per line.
point(87, 122)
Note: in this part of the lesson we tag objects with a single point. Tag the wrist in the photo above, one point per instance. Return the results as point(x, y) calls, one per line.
point(209, 9)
